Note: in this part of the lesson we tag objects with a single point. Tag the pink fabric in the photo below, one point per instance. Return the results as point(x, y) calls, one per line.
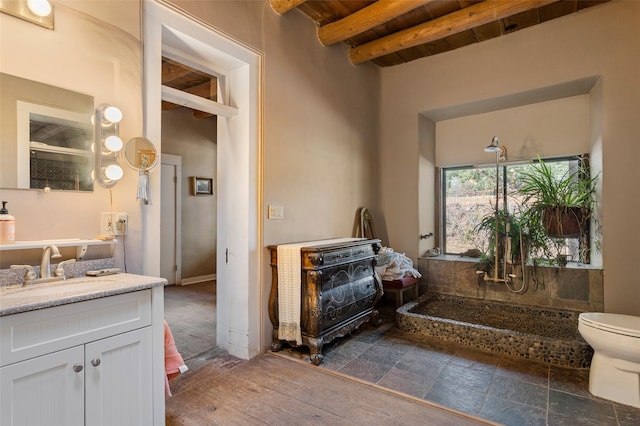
point(400, 282)
point(172, 358)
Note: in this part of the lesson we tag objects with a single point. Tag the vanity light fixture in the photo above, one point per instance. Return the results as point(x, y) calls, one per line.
point(113, 143)
point(113, 172)
point(106, 146)
point(112, 114)
point(39, 12)
point(40, 7)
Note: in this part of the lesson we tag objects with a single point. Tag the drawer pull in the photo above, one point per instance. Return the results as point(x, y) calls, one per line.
point(78, 368)
point(95, 362)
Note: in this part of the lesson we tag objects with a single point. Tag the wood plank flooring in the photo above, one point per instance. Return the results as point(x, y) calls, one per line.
point(273, 390)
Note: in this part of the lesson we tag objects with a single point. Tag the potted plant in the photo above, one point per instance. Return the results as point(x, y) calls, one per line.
point(563, 201)
point(487, 226)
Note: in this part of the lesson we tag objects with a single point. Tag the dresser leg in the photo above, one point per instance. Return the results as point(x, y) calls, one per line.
point(276, 344)
point(375, 318)
point(315, 346)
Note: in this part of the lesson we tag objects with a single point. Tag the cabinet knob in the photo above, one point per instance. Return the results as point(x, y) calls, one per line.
point(95, 362)
point(77, 368)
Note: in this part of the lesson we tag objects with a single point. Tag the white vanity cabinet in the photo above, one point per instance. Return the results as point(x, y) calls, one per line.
point(43, 390)
point(84, 363)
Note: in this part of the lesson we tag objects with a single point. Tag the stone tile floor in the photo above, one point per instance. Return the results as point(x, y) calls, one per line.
point(499, 388)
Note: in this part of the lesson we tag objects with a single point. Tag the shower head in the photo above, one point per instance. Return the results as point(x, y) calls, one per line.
point(494, 147)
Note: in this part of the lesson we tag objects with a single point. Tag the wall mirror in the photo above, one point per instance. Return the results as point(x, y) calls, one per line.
point(45, 136)
point(140, 153)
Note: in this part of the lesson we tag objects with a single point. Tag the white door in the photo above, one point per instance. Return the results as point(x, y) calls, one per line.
point(44, 391)
point(170, 219)
point(118, 380)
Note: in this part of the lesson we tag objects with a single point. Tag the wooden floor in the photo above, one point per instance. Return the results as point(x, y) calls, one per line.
point(273, 390)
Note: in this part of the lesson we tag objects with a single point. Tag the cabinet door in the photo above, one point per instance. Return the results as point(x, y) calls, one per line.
point(118, 380)
point(44, 391)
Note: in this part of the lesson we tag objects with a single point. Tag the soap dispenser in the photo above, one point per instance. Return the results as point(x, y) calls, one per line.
point(7, 226)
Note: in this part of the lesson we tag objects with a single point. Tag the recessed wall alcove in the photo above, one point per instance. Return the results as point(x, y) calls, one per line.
point(562, 119)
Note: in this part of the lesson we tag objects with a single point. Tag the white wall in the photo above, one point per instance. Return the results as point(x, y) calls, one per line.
point(603, 41)
point(86, 55)
point(548, 129)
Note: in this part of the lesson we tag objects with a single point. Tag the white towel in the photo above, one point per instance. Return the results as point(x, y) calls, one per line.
point(289, 287)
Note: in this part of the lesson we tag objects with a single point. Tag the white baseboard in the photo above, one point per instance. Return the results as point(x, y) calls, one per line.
point(200, 279)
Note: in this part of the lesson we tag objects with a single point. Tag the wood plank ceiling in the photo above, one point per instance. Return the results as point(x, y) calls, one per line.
point(392, 32)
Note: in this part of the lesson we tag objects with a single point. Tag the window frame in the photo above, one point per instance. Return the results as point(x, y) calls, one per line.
point(584, 241)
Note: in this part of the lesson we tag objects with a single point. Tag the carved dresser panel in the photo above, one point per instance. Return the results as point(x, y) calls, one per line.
point(339, 292)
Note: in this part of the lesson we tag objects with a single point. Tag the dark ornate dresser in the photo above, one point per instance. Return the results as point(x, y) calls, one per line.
point(339, 291)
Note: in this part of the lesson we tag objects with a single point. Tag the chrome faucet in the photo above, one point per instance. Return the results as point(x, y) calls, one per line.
point(48, 252)
point(30, 274)
point(59, 271)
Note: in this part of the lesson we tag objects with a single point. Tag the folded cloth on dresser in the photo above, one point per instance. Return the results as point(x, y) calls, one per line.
point(394, 266)
point(173, 363)
point(289, 287)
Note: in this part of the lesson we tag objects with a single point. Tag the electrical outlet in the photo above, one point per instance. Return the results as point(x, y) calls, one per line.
point(275, 212)
point(122, 223)
point(114, 223)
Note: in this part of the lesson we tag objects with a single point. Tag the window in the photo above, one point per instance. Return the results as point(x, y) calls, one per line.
point(469, 196)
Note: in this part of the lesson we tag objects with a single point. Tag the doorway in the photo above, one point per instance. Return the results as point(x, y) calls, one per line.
point(188, 246)
point(171, 219)
point(239, 284)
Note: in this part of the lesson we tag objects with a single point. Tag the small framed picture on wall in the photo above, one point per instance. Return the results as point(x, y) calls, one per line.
point(201, 186)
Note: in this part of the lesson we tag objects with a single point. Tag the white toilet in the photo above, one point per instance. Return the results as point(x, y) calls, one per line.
point(615, 367)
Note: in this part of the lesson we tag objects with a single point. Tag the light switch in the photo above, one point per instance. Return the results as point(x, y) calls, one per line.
point(275, 212)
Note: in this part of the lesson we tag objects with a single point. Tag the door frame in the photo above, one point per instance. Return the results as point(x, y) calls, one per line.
point(174, 161)
point(239, 183)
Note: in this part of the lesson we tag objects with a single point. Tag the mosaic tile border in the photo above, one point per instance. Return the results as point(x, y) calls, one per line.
point(563, 352)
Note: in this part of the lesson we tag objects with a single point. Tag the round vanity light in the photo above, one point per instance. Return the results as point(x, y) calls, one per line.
point(113, 143)
point(114, 172)
point(39, 7)
point(113, 114)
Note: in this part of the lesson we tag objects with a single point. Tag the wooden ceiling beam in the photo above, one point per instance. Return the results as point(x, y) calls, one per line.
point(173, 71)
point(205, 90)
point(444, 26)
point(364, 19)
point(201, 114)
point(283, 6)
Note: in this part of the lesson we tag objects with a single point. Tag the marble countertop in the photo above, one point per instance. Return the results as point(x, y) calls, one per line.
point(14, 300)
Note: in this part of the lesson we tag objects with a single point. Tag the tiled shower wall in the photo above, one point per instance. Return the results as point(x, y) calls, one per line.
point(572, 287)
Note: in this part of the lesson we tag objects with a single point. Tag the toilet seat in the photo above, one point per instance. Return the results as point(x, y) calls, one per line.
point(627, 325)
